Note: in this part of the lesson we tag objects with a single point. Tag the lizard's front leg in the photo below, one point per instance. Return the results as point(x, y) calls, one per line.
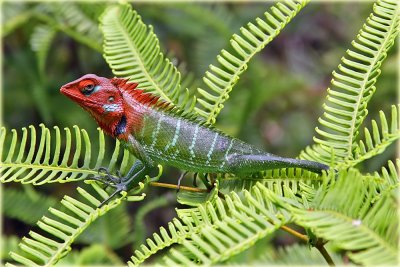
point(136, 174)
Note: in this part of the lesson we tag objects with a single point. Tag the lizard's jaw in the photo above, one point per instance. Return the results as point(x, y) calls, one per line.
point(77, 97)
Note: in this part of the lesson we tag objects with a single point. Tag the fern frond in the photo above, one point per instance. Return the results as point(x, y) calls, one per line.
point(115, 229)
point(76, 19)
point(41, 39)
point(13, 16)
point(252, 40)
point(388, 180)
point(63, 227)
point(25, 207)
point(177, 231)
point(217, 19)
point(297, 255)
point(390, 174)
point(132, 50)
point(218, 26)
point(138, 236)
point(95, 254)
point(272, 179)
point(380, 138)
point(197, 198)
point(353, 85)
point(9, 243)
point(80, 27)
point(228, 231)
point(39, 160)
point(212, 231)
point(72, 16)
point(345, 213)
point(92, 11)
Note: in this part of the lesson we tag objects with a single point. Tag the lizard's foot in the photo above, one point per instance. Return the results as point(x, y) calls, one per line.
point(118, 182)
point(107, 179)
point(136, 174)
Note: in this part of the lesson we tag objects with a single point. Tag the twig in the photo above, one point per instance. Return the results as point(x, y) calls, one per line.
point(182, 187)
point(319, 245)
point(325, 254)
point(294, 232)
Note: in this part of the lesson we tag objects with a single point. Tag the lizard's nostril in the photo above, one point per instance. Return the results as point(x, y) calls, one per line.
point(64, 87)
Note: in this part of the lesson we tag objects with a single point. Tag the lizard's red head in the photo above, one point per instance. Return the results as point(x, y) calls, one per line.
point(101, 98)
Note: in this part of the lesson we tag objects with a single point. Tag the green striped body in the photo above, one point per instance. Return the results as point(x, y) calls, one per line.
point(156, 133)
point(166, 138)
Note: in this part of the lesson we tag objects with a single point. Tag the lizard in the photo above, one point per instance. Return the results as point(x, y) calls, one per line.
point(157, 132)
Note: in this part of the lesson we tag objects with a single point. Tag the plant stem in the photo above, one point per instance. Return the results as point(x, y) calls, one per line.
point(294, 232)
point(173, 186)
point(325, 254)
point(319, 245)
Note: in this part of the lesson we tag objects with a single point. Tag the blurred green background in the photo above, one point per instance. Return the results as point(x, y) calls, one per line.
point(275, 104)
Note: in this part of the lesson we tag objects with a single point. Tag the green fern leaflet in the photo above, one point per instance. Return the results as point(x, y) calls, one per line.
point(46, 164)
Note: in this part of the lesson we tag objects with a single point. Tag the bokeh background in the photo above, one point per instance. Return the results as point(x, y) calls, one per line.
point(275, 105)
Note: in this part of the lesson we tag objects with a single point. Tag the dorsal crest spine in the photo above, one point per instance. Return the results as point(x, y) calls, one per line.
point(139, 94)
point(152, 100)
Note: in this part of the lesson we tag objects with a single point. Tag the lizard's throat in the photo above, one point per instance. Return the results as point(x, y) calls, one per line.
point(120, 128)
point(112, 125)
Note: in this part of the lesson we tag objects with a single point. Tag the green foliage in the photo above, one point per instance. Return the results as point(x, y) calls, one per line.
point(299, 255)
point(62, 228)
point(103, 231)
point(41, 160)
point(41, 40)
point(132, 50)
point(213, 232)
point(221, 80)
point(73, 21)
point(353, 85)
point(380, 139)
point(139, 235)
point(95, 254)
point(27, 206)
point(355, 212)
point(13, 16)
point(227, 231)
point(345, 212)
point(277, 178)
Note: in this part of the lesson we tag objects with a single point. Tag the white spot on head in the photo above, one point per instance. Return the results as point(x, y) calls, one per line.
point(356, 222)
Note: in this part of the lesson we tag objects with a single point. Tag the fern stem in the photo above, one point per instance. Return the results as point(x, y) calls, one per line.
point(48, 167)
point(319, 245)
point(324, 252)
point(173, 186)
point(294, 232)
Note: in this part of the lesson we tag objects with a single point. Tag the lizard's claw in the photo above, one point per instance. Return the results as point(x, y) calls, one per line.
point(106, 178)
point(120, 183)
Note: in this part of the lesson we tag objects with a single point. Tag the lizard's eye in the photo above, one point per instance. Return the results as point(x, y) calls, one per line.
point(111, 99)
point(88, 89)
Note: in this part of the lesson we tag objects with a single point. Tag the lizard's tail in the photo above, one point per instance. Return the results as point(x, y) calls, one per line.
point(255, 163)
